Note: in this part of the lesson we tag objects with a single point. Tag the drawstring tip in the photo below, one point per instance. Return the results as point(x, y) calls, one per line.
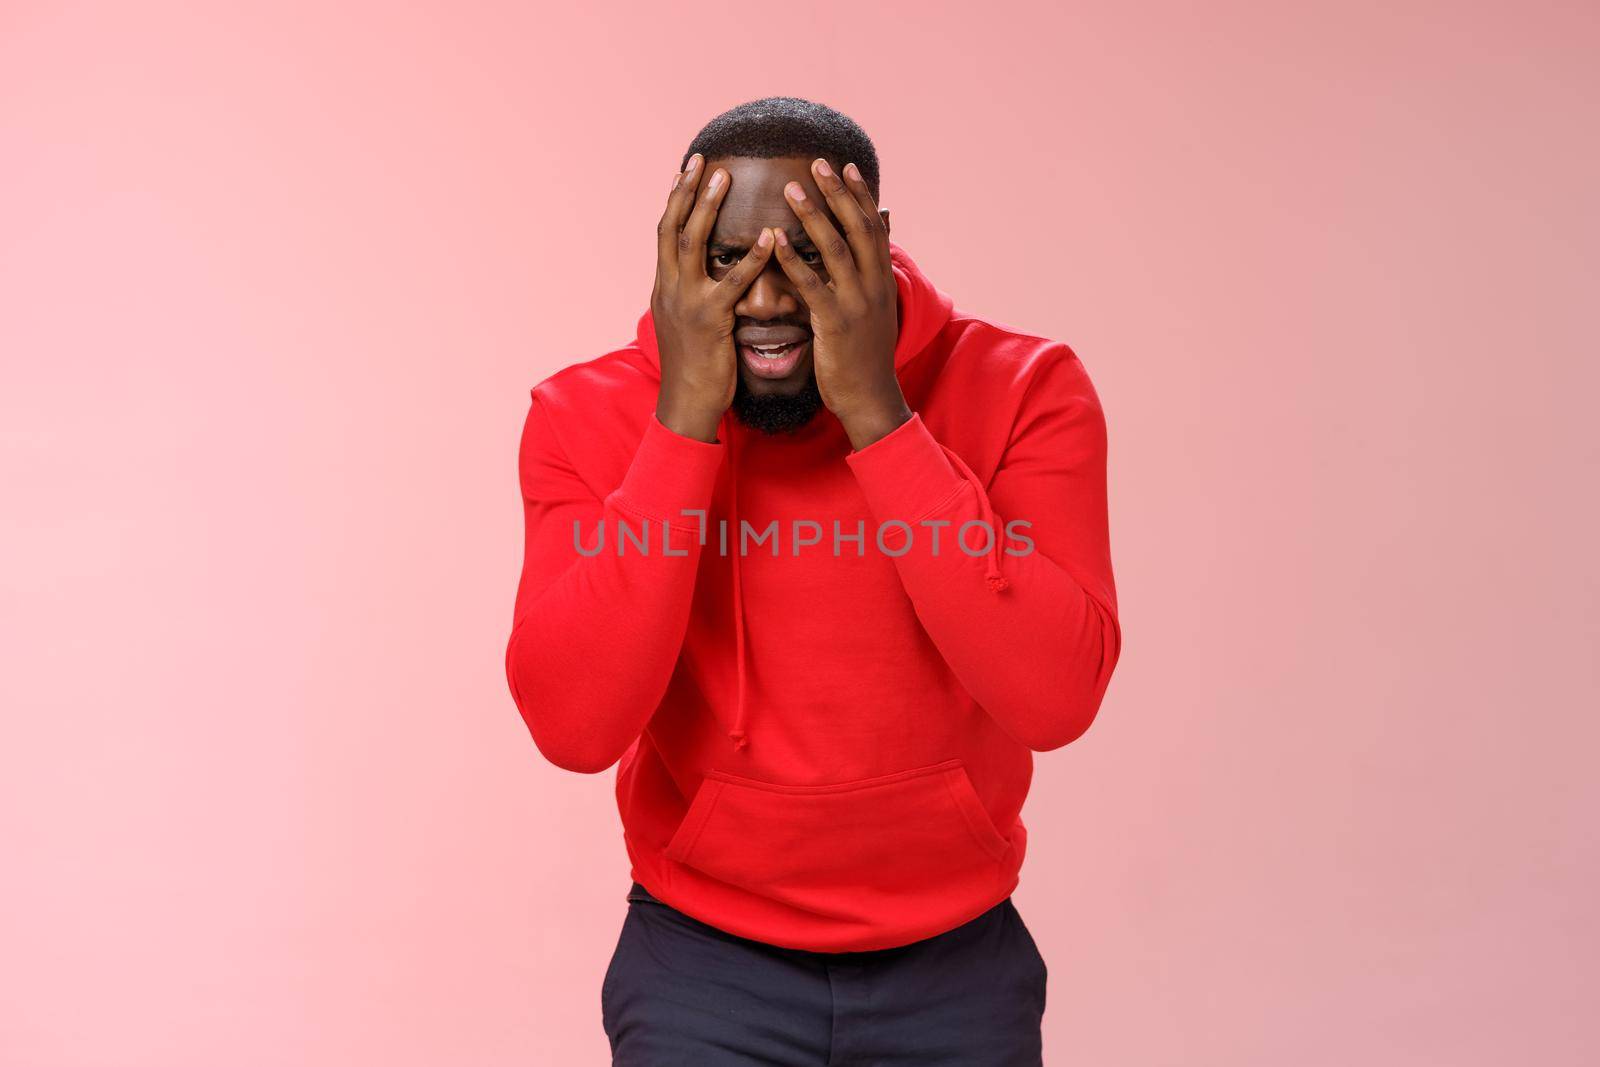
point(739, 740)
point(998, 583)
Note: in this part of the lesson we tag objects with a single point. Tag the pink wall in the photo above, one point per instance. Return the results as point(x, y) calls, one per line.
point(274, 287)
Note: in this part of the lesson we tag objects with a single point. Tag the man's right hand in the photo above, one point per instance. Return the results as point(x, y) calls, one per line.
point(693, 314)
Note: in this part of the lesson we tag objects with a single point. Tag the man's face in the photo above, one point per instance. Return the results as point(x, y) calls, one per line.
point(772, 325)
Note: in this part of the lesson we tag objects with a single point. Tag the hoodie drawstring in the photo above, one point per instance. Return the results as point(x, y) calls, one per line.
point(737, 734)
point(997, 582)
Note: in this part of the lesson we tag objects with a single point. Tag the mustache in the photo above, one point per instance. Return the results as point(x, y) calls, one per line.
point(757, 324)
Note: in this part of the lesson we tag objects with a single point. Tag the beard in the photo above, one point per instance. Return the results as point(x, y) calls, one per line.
point(774, 414)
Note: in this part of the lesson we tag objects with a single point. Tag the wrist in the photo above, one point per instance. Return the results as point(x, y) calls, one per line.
point(687, 416)
point(875, 419)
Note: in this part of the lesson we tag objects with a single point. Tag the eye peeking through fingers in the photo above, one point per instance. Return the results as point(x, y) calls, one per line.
point(722, 259)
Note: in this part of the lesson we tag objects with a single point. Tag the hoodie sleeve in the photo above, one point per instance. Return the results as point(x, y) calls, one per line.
point(596, 635)
point(1036, 647)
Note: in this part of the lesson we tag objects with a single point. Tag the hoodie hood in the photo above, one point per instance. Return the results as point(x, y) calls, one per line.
point(924, 311)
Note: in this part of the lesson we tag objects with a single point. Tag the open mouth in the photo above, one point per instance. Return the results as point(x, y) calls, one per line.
point(773, 360)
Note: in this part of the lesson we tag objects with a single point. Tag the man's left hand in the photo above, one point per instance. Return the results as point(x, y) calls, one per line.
point(854, 314)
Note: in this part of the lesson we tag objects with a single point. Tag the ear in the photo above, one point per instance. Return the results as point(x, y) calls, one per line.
point(883, 213)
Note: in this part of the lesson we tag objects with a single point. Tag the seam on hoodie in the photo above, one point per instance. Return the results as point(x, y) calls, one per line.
point(950, 497)
point(1027, 395)
point(622, 504)
point(983, 840)
point(544, 409)
point(910, 774)
point(705, 820)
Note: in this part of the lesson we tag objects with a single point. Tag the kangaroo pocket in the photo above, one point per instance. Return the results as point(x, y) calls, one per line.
point(915, 839)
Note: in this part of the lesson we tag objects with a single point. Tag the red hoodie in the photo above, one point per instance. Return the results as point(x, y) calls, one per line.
point(825, 742)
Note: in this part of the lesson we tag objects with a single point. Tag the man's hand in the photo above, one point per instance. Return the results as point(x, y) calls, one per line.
point(694, 315)
point(855, 315)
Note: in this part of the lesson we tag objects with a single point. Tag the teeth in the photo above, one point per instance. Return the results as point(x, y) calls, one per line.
point(772, 350)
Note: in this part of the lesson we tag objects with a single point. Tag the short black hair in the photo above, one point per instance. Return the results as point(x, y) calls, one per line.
point(776, 127)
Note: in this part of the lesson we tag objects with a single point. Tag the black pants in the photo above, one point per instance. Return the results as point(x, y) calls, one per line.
point(681, 992)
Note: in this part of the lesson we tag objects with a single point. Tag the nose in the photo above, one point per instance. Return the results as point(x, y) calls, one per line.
point(770, 296)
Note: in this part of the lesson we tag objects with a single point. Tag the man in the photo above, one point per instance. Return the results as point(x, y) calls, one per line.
point(822, 562)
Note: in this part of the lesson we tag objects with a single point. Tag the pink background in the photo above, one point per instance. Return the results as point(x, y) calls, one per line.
point(275, 284)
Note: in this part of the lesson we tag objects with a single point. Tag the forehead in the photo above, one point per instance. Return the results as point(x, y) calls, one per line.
point(755, 197)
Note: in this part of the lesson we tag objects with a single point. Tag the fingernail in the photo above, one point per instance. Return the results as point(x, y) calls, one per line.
point(716, 182)
point(783, 238)
point(694, 162)
point(823, 168)
point(765, 239)
point(852, 172)
point(794, 191)
point(677, 180)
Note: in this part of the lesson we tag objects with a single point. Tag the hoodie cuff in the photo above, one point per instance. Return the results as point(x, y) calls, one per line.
point(904, 474)
point(670, 473)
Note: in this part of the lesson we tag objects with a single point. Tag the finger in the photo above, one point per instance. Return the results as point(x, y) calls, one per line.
point(751, 264)
point(835, 252)
point(692, 241)
point(810, 287)
point(847, 209)
point(678, 204)
point(869, 208)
